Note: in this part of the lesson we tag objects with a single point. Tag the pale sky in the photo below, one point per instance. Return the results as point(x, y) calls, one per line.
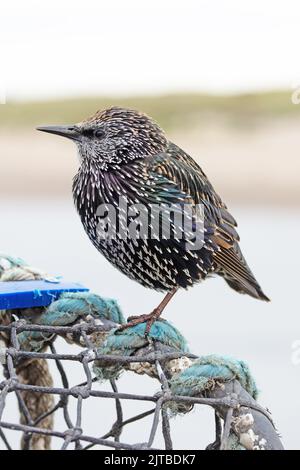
point(124, 47)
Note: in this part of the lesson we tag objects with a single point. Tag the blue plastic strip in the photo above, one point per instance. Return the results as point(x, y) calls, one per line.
point(27, 294)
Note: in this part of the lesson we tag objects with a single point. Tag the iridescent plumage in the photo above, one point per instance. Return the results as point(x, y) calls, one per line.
point(123, 152)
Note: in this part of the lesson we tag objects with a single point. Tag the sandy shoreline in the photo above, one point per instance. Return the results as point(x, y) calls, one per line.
point(251, 166)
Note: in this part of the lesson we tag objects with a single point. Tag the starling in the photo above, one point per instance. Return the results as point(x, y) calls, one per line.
point(125, 153)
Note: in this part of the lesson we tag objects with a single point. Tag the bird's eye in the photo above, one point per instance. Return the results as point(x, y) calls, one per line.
point(99, 133)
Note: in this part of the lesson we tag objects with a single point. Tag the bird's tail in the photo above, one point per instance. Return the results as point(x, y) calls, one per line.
point(246, 288)
point(237, 274)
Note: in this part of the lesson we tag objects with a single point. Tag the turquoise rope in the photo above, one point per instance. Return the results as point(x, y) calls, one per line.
point(126, 342)
point(73, 305)
point(201, 375)
point(70, 307)
point(34, 341)
point(14, 261)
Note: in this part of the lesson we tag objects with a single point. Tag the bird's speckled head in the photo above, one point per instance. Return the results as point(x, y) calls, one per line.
point(114, 136)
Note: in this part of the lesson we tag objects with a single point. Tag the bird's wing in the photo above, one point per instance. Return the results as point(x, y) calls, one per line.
point(178, 167)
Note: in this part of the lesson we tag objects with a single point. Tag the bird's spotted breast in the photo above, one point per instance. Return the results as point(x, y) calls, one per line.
point(157, 263)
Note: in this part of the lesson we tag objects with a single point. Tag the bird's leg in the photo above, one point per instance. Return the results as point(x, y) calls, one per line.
point(150, 318)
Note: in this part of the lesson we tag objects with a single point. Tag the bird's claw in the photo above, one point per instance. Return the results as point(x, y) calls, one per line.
point(149, 319)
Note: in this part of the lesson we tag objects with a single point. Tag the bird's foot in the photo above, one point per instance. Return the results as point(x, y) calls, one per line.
point(149, 318)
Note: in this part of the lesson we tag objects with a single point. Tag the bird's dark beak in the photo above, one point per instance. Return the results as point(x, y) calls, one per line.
point(71, 132)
